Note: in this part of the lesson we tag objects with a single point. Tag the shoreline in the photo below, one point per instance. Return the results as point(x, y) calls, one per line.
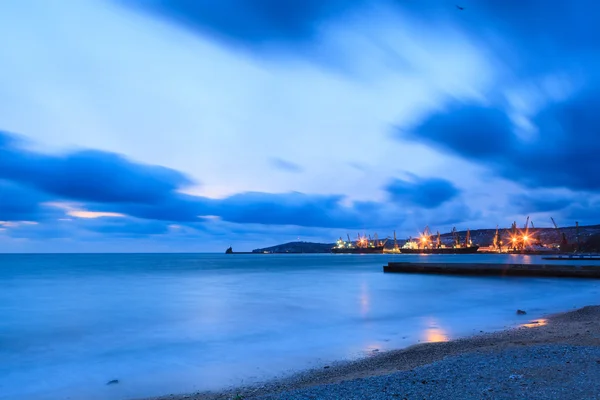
point(580, 328)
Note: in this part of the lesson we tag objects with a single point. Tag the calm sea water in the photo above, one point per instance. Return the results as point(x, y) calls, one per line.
point(172, 323)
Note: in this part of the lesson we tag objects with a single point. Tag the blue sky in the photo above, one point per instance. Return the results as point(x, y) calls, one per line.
point(181, 125)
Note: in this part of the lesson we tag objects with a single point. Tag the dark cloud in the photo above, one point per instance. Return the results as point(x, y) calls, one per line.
point(289, 209)
point(255, 24)
point(586, 213)
point(529, 36)
point(285, 165)
point(421, 192)
point(525, 33)
point(128, 227)
point(19, 203)
point(471, 130)
point(562, 153)
point(88, 175)
point(177, 207)
point(541, 202)
point(107, 182)
point(148, 197)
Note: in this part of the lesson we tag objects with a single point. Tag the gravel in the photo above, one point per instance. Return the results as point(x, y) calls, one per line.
point(537, 372)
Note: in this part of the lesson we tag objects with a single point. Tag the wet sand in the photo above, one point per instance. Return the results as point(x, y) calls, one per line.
point(538, 360)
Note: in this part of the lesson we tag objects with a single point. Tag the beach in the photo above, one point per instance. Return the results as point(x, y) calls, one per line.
point(554, 357)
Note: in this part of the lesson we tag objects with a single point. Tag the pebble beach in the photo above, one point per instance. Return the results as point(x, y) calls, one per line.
point(550, 358)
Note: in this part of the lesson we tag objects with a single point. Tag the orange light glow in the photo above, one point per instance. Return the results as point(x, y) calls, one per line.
point(423, 239)
point(433, 332)
point(435, 336)
point(525, 238)
point(536, 323)
point(514, 239)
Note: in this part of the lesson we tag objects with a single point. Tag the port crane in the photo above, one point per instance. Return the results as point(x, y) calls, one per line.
point(563, 238)
point(577, 235)
point(497, 243)
point(455, 237)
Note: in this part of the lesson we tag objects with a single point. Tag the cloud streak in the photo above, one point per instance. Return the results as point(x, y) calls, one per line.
point(285, 165)
point(109, 190)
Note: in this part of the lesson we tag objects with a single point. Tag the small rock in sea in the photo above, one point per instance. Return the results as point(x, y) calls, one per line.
point(113, 382)
point(521, 312)
point(515, 376)
point(327, 366)
point(375, 350)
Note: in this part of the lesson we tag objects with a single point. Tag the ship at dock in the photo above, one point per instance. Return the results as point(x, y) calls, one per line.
point(425, 244)
point(363, 245)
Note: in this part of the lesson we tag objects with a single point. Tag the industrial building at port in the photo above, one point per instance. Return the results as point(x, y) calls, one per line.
point(527, 239)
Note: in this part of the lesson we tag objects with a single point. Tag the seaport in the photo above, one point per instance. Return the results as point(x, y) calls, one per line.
point(528, 239)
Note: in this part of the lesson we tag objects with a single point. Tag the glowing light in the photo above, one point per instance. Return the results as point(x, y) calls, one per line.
point(423, 239)
point(433, 332)
point(536, 323)
point(209, 217)
point(525, 238)
point(93, 214)
point(435, 335)
point(514, 239)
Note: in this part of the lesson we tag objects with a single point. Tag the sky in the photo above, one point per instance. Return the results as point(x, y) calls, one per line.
point(194, 125)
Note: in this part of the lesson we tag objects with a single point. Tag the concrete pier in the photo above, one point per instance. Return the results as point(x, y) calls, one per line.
point(482, 269)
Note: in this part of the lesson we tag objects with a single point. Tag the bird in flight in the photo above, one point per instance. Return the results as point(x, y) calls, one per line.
point(460, 8)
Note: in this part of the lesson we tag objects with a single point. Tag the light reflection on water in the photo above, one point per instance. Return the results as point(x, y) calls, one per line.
point(535, 323)
point(433, 332)
point(364, 299)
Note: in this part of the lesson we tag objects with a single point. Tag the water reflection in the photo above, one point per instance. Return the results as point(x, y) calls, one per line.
point(364, 299)
point(433, 332)
point(536, 323)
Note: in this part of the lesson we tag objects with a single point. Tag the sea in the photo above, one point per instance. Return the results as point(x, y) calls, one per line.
point(163, 324)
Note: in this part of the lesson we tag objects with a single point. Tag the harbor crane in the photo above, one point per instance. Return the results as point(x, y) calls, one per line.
point(455, 237)
point(563, 238)
point(497, 244)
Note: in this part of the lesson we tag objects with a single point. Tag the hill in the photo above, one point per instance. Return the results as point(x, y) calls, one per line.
point(297, 247)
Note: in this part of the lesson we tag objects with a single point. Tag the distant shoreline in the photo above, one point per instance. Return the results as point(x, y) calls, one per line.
point(554, 340)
